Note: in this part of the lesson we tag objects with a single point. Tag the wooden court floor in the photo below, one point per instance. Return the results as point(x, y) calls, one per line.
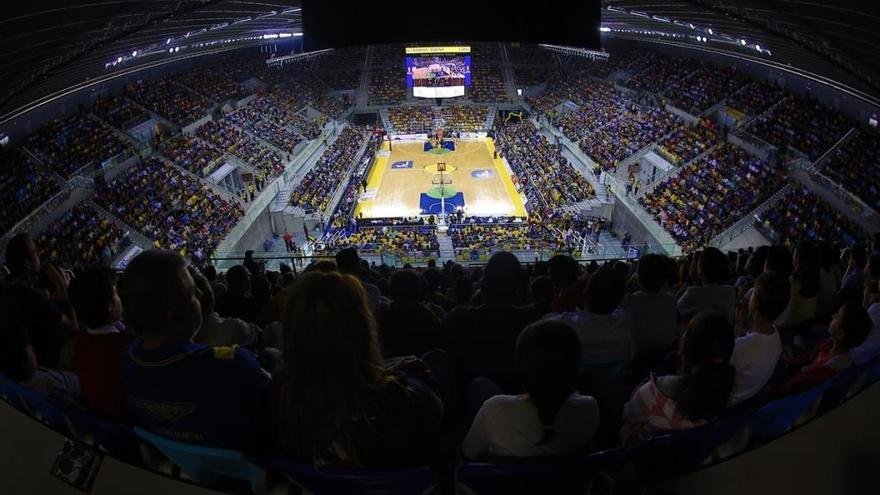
point(397, 181)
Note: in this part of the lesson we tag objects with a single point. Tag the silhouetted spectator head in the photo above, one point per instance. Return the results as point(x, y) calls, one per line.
point(779, 260)
point(332, 361)
point(407, 287)
point(463, 289)
point(238, 280)
point(771, 295)
point(548, 355)
point(755, 264)
point(348, 261)
point(210, 272)
point(806, 261)
point(94, 297)
point(540, 269)
point(713, 266)
point(850, 325)
point(160, 297)
point(563, 270)
point(652, 272)
point(605, 290)
point(22, 256)
point(502, 279)
point(261, 289)
point(542, 293)
point(433, 277)
point(707, 377)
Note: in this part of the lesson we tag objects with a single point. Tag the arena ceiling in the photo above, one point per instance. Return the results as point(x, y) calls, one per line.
point(838, 40)
point(51, 45)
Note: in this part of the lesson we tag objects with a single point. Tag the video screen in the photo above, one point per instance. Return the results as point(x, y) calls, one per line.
point(438, 76)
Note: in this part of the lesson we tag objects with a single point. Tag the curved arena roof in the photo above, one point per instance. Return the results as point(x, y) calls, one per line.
point(50, 46)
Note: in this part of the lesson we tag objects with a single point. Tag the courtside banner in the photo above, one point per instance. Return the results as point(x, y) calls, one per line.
point(432, 50)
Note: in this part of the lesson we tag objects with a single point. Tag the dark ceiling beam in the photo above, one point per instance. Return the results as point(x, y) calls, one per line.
point(765, 24)
point(98, 42)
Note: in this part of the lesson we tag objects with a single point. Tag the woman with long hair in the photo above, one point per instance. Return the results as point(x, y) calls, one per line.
point(697, 394)
point(550, 418)
point(338, 404)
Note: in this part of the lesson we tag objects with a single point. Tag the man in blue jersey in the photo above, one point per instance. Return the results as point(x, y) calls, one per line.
point(179, 389)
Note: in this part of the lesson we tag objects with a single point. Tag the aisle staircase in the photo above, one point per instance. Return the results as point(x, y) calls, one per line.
point(490, 117)
point(447, 252)
point(386, 121)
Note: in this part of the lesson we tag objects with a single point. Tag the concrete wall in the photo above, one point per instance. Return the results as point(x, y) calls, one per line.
point(622, 220)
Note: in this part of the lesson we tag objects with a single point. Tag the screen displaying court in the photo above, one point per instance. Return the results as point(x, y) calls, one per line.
point(438, 72)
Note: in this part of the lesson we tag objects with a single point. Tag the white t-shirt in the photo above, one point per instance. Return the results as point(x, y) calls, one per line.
point(509, 426)
point(754, 356)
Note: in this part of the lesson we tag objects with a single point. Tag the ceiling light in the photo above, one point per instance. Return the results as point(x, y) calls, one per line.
point(710, 31)
point(742, 42)
point(134, 53)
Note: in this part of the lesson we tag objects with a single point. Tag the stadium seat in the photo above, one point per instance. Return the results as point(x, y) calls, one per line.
point(527, 476)
point(666, 456)
point(335, 481)
point(114, 438)
point(842, 387)
point(781, 415)
point(50, 411)
point(9, 392)
point(213, 467)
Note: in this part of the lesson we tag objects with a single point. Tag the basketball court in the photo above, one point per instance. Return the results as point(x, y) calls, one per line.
point(407, 182)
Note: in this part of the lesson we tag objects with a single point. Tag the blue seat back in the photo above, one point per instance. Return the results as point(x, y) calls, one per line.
point(842, 387)
point(117, 439)
point(337, 481)
point(779, 416)
point(48, 410)
point(557, 476)
point(681, 451)
point(9, 392)
point(210, 466)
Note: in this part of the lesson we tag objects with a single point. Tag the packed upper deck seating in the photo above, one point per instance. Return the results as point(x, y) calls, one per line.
point(703, 88)
point(539, 169)
point(756, 97)
point(191, 153)
point(67, 144)
point(170, 100)
point(119, 112)
point(24, 186)
point(662, 71)
point(409, 119)
point(319, 184)
point(619, 139)
point(689, 141)
point(711, 194)
point(80, 238)
point(177, 211)
point(804, 215)
point(856, 166)
point(213, 83)
point(803, 124)
point(387, 86)
point(487, 84)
